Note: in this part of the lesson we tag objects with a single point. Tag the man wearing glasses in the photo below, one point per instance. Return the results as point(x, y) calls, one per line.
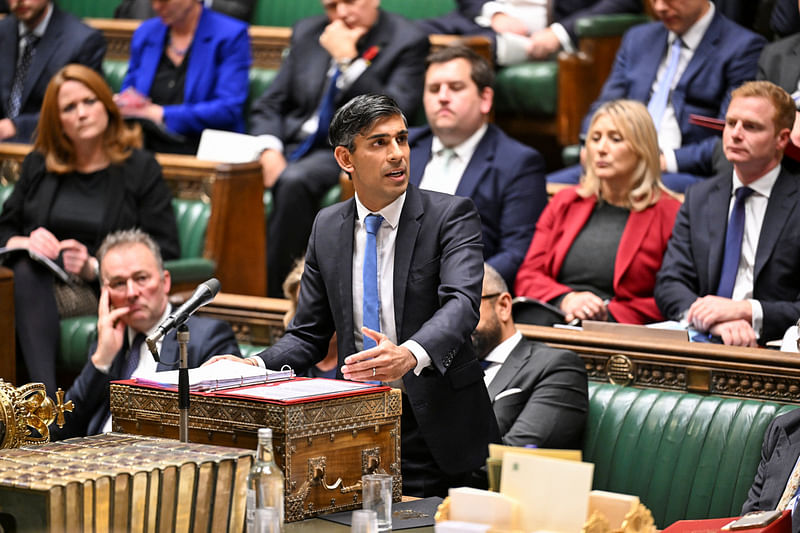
point(133, 302)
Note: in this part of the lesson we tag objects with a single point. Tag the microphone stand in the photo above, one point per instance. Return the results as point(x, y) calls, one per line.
point(183, 383)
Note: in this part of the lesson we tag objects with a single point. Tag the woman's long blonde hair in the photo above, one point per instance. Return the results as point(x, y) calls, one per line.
point(636, 127)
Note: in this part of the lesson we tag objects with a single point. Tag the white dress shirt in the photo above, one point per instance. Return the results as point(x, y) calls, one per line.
point(499, 355)
point(669, 132)
point(385, 242)
point(440, 176)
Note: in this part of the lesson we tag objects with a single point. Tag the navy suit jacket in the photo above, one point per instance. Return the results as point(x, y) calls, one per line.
point(692, 263)
point(779, 454)
point(540, 397)
point(780, 63)
point(505, 180)
point(215, 90)
point(66, 40)
point(437, 281)
point(726, 57)
point(398, 70)
point(90, 392)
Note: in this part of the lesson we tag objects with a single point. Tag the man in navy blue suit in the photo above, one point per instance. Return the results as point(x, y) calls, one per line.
point(133, 302)
point(460, 153)
point(712, 56)
point(523, 30)
point(732, 276)
point(422, 292)
point(56, 39)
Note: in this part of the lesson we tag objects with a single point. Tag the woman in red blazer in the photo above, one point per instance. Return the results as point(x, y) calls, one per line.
point(598, 246)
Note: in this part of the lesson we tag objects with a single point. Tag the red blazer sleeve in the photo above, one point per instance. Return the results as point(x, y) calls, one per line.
point(639, 256)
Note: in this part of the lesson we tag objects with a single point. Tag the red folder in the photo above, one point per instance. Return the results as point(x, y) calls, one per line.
point(713, 525)
point(792, 150)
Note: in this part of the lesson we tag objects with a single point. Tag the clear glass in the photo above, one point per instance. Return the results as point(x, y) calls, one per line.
point(265, 485)
point(377, 496)
point(267, 520)
point(364, 521)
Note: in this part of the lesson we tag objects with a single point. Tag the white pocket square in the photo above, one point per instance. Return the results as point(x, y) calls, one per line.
point(507, 392)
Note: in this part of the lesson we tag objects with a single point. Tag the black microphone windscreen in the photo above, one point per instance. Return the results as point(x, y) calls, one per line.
point(213, 285)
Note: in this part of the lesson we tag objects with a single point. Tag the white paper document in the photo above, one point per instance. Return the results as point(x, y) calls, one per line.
point(223, 374)
point(301, 388)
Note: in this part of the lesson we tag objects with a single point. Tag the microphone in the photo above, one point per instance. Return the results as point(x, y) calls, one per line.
point(203, 294)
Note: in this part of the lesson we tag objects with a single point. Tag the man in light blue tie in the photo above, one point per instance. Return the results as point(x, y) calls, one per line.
point(731, 264)
point(687, 63)
point(412, 288)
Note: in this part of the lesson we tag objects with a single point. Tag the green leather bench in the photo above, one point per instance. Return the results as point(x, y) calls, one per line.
point(685, 455)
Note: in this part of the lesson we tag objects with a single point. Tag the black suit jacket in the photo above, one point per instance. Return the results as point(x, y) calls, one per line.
point(90, 392)
point(66, 40)
point(398, 70)
point(506, 181)
point(780, 63)
point(540, 396)
point(778, 456)
point(692, 263)
point(438, 269)
point(136, 196)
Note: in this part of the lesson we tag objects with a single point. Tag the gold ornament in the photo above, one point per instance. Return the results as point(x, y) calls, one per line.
point(26, 412)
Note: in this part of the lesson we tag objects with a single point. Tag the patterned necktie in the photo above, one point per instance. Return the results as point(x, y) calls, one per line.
point(20, 73)
point(658, 102)
point(791, 488)
point(371, 305)
point(326, 109)
point(733, 244)
point(132, 357)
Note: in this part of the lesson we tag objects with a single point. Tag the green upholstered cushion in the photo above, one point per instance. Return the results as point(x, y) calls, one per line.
point(192, 218)
point(250, 350)
point(571, 155)
point(528, 88)
point(333, 195)
point(686, 456)
point(286, 13)
point(77, 335)
point(608, 25)
point(5, 192)
point(89, 8)
point(114, 71)
point(260, 80)
point(190, 269)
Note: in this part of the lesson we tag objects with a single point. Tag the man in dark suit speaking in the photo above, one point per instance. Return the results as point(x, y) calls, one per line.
point(731, 265)
point(539, 394)
point(133, 302)
point(396, 273)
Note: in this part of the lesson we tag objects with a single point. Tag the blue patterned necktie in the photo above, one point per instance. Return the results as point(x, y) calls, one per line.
point(658, 102)
point(371, 305)
point(326, 109)
point(20, 73)
point(132, 357)
point(733, 244)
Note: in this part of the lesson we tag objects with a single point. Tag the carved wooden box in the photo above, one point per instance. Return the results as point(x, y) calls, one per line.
point(323, 446)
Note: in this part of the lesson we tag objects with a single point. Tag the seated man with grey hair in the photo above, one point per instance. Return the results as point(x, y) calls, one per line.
point(133, 302)
point(538, 393)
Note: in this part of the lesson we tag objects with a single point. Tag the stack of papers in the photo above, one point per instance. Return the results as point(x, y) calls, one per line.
point(223, 374)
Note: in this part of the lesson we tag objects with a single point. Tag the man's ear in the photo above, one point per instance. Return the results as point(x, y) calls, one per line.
point(486, 100)
point(344, 158)
point(503, 307)
point(167, 281)
point(783, 139)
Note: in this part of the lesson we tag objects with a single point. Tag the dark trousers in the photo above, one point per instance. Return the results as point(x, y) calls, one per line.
point(421, 475)
point(295, 202)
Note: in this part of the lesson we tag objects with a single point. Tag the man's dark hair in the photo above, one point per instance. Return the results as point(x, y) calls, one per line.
point(482, 73)
point(358, 115)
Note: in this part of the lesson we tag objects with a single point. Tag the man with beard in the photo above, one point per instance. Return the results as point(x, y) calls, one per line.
point(539, 394)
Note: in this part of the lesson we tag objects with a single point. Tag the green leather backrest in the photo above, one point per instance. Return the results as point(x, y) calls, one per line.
point(260, 80)
point(114, 71)
point(5, 192)
point(192, 218)
point(77, 335)
point(608, 25)
point(686, 456)
point(286, 13)
point(89, 8)
point(528, 88)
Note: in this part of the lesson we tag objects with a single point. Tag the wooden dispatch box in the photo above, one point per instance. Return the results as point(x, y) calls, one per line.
point(323, 446)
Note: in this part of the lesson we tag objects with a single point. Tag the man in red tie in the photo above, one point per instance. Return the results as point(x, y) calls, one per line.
point(731, 265)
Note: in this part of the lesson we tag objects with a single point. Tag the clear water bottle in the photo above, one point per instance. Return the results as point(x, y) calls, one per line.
point(265, 484)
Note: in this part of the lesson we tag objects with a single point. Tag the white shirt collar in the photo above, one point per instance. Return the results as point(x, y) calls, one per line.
point(390, 213)
point(692, 37)
point(464, 150)
point(762, 185)
point(41, 27)
point(504, 349)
